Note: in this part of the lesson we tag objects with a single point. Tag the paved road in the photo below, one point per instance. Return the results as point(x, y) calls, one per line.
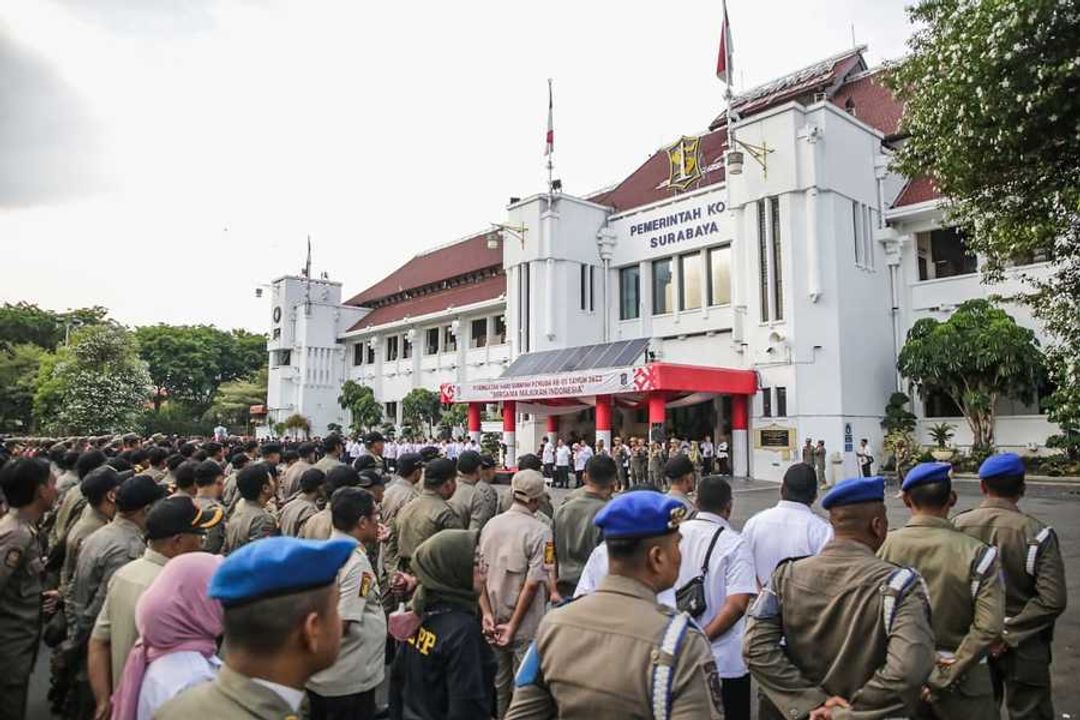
point(1057, 505)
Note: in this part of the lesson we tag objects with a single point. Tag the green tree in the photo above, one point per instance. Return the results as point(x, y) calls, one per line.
point(19, 365)
point(991, 91)
point(188, 363)
point(359, 400)
point(421, 407)
point(455, 415)
point(232, 404)
point(975, 357)
point(298, 423)
point(26, 323)
point(96, 384)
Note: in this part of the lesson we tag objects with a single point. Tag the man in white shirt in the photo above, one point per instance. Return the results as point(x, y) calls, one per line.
point(790, 528)
point(547, 456)
point(581, 459)
point(562, 465)
point(729, 587)
point(708, 452)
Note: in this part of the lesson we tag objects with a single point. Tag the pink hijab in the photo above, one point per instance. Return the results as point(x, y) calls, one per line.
point(173, 615)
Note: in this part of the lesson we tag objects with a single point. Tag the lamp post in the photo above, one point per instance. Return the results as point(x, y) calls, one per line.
point(498, 229)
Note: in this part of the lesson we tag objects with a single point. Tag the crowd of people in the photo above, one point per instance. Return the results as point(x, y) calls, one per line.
point(231, 578)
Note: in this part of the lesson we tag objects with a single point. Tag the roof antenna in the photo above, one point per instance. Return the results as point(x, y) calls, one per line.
point(853, 43)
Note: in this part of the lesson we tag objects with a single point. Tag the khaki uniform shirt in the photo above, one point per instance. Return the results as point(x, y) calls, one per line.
point(416, 522)
point(576, 537)
point(397, 494)
point(328, 463)
point(102, 554)
point(464, 500)
point(361, 662)
point(115, 623)
point(249, 522)
point(544, 514)
point(691, 508)
point(89, 522)
point(965, 623)
point(517, 548)
point(1033, 569)
point(21, 567)
point(231, 696)
point(230, 494)
point(829, 611)
point(290, 481)
point(214, 540)
point(67, 514)
point(594, 663)
point(295, 514)
point(485, 505)
point(318, 526)
point(157, 473)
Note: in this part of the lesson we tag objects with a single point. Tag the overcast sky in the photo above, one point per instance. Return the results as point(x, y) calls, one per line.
point(165, 158)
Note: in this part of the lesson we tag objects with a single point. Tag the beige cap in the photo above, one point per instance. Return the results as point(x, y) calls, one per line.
point(528, 485)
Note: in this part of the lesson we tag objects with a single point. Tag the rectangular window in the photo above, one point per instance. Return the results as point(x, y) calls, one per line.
point(583, 290)
point(662, 287)
point(406, 347)
point(391, 348)
point(943, 253)
point(766, 402)
point(781, 402)
point(592, 288)
point(478, 335)
point(358, 354)
point(498, 335)
point(449, 339)
point(868, 236)
point(857, 232)
point(629, 292)
point(282, 357)
point(777, 261)
point(720, 276)
point(763, 262)
point(390, 411)
point(523, 309)
point(690, 281)
point(370, 353)
point(431, 341)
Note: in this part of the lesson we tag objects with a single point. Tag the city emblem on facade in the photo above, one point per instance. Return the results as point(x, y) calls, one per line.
point(684, 163)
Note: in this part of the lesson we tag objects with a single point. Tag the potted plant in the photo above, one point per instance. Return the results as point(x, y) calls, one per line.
point(942, 433)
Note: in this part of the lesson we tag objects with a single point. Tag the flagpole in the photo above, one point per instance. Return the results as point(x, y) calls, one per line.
point(728, 95)
point(551, 145)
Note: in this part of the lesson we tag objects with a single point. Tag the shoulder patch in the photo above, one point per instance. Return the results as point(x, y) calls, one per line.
point(549, 552)
point(366, 581)
point(529, 671)
point(12, 558)
point(712, 679)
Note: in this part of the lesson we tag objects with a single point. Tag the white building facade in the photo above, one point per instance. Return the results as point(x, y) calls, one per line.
point(806, 268)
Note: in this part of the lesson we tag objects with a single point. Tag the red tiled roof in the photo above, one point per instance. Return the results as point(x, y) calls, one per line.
point(649, 182)
point(487, 289)
point(916, 191)
point(870, 101)
point(460, 258)
point(824, 76)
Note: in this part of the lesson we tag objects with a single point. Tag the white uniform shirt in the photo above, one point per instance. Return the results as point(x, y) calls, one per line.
point(596, 568)
point(581, 458)
point(168, 675)
point(707, 449)
point(562, 456)
point(390, 450)
point(547, 455)
point(731, 572)
point(789, 529)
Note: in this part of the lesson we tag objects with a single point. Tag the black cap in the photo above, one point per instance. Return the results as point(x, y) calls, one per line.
point(429, 453)
point(439, 471)
point(408, 463)
point(373, 437)
point(486, 461)
point(370, 478)
point(364, 462)
point(468, 462)
point(179, 514)
point(138, 492)
point(678, 466)
point(100, 481)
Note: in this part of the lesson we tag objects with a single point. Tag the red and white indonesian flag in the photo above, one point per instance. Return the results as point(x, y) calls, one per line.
point(723, 59)
point(549, 143)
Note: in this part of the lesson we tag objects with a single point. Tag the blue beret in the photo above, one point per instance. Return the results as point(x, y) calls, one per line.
point(1003, 464)
point(925, 473)
point(639, 515)
point(277, 566)
point(855, 490)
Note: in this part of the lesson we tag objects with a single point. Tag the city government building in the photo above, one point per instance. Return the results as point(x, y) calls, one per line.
point(759, 303)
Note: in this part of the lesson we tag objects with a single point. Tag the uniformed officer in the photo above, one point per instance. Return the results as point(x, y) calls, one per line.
point(209, 484)
point(519, 553)
point(332, 451)
point(304, 504)
point(475, 503)
point(967, 597)
point(842, 631)
point(681, 476)
point(347, 688)
point(251, 521)
point(575, 534)
point(1034, 587)
point(99, 489)
point(617, 650)
point(67, 514)
point(485, 489)
point(290, 482)
point(402, 488)
point(29, 487)
point(281, 627)
point(320, 525)
point(375, 444)
point(546, 512)
point(424, 516)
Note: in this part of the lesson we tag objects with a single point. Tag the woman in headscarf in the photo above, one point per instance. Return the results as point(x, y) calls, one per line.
point(178, 628)
point(446, 670)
